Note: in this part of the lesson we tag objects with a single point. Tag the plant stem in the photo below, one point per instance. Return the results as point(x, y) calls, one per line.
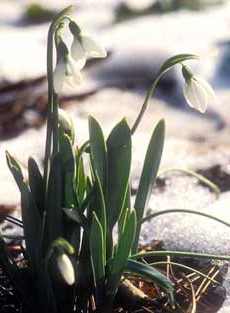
point(50, 103)
point(52, 119)
point(55, 124)
point(146, 101)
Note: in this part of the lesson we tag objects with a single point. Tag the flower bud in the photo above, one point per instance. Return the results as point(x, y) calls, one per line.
point(66, 269)
point(66, 123)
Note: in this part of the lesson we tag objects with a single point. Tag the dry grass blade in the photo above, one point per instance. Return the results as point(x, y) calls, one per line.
point(199, 289)
point(207, 285)
point(193, 304)
point(186, 268)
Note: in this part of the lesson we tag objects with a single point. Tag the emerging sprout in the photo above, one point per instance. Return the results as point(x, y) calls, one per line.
point(66, 269)
point(198, 93)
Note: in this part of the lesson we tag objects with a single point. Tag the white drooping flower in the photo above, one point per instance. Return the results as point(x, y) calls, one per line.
point(139, 4)
point(84, 47)
point(66, 269)
point(70, 63)
point(198, 93)
point(66, 72)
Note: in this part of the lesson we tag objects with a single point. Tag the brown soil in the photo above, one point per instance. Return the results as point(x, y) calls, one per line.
point(218, 175)
point(209, 296)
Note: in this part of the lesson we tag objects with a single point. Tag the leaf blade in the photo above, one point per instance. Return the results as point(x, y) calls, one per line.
point(97, 249)
point(98, 151)
point(149, 272)
point(149, 174)
point(119, 163)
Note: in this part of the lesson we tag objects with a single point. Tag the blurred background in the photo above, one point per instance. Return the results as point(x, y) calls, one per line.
point(138, 35)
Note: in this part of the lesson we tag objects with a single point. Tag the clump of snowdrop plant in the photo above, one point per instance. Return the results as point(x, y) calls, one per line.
point(72, 262)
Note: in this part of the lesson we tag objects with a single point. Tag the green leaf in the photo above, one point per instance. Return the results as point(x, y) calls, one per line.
point(81, 181)
point(149, 173)
point(125, 241)
point(36, 184)
point(152, 274)
point(54, 227)
point(69, 169)
point(15, 170)
point(99, 205)
point(97, 249)
point(175, 60)
point(119, 162)
point(98, 151)
point(30, 215)
point(123, 216)
point(119, 261)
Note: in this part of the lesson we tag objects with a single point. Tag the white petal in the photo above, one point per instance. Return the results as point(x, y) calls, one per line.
point(66, 269)
point(196, 96)
point(92, 49)
point(78, 53)
point(208, 88)
point(59, 77)
point(75, 71)
point(139, 4)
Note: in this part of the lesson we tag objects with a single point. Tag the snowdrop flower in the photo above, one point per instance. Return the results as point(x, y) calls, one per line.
point(139, 4)
point(198, 93)
point(66, 269)
point(84, 46)
point(66, 71)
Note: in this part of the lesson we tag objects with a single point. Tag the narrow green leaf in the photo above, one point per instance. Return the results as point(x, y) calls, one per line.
point(119, 261)
point(175, 60)
point(81, 182)
point(170, 211)
point(69, 169)
point(54, 213)
point(30, 215)
point(98, 150)
point(119, 162)
point(149, 173)
point(202, 179)
point(99, 205)
point(15, 169)
point(125, 242)
point(97, 249)
point(181, 254)
point(152, 274)
point(36, 184)
point(123, 216)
